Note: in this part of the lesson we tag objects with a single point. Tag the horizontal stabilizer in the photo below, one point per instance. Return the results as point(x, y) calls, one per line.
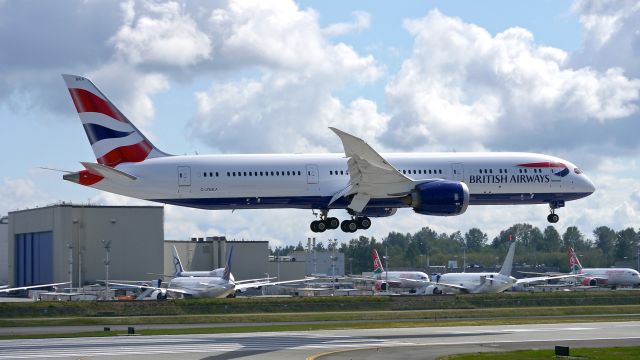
point(107, 172)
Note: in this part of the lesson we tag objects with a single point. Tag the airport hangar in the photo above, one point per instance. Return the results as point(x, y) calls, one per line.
point(49, 243)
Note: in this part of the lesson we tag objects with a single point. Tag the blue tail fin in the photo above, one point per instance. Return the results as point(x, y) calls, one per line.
point(227, 269)
point(177, 264)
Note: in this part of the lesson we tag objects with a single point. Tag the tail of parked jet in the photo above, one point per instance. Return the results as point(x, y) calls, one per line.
point(227, 268)
point(377, 264)
point(574, 263)
point(114, 139)
point(508, 260)
point(177, 264)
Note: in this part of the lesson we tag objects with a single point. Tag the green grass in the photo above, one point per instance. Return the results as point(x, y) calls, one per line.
point(323, 326)
point(628, 311)
point(46, 309)
point(610, 353)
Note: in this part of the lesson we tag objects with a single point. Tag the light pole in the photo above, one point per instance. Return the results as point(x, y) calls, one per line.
point(70, 247)
point(107, 262)
point(386, 272)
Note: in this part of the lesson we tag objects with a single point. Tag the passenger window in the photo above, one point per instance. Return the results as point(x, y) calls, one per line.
point(288, 173)
point(205, 174)
point(299, 172)
point(330, 172)
point(341, 172)
point(228, 174)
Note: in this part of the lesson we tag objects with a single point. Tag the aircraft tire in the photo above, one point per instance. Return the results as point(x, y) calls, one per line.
point(332, 223)
point(553, 218)
point(349, 226)
point(363, 222)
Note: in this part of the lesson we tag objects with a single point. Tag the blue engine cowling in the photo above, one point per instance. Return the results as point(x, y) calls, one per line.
point(440, 198)
point(377, 212)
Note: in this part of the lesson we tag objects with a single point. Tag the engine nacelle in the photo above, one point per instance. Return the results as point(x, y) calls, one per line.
point(377, 212)
point(440, 198)
point(589, 282)
point(381, 285)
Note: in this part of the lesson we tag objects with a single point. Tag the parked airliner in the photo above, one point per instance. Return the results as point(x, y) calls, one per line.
point(602, 276)
point(487, 282)
point(362, 181)
point(206, 284)
point(415, 281)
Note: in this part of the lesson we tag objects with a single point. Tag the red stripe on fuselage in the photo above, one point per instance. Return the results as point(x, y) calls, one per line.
point(543, 165)
point(86, 101)
point(86, 178)
point(132, 153)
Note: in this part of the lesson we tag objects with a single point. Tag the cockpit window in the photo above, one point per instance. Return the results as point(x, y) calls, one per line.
point(577, 171)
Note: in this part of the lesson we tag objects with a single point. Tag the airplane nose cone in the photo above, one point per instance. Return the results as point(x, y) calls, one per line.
point(588, 186)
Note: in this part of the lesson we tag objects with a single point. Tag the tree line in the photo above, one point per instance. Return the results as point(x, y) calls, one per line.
point(535, 247)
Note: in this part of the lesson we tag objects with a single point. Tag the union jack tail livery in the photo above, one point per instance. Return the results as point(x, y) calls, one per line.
point(377, 264)
point(114, 139)
point(574, 263)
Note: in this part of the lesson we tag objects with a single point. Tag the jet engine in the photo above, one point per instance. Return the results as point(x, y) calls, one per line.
point(589, 282)
point(440, 198)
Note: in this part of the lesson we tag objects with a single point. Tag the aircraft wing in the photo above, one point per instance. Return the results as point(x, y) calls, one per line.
point(370, 174)
point(142, 286)
point(7, 289)
point(257, 284)
point(451, 286)
point(542, 278)
point(254, 280)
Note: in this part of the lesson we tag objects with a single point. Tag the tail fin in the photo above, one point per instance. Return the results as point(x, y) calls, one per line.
point(227, 268)
point(377, 264)
point(177, 264)
point(574, 263)
point(114, 139)
point(508, 260)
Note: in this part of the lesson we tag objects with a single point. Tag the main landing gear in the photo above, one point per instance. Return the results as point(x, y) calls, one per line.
point(325, 223)
point(359, 222)
point(553, 217)
point(331, 223)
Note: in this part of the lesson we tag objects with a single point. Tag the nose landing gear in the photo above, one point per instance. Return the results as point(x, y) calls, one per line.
point(553, 217)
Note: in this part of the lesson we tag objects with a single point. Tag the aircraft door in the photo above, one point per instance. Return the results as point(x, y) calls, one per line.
point(184, 176)
point(457, 172)
point(312, 174)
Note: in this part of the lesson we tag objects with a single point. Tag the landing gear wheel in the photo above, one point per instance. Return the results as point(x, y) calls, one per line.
point(349, 226)
point(363, 222)
point(318, 226)
point(332, 223)
point(553, 218)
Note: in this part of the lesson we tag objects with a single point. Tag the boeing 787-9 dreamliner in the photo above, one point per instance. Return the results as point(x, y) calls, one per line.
point(361, 181)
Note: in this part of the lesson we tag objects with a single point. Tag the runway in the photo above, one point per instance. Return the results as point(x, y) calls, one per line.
point(418, 343)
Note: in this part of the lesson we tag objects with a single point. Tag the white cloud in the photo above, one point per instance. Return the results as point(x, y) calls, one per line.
point(161, 33)
point(361, 21)
point(464, 87)
point(293, 98)
point(21, 193)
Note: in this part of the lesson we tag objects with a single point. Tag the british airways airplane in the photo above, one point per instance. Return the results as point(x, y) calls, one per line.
point(361, 181)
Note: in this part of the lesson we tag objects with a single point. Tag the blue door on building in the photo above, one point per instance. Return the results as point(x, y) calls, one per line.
point(34, 258)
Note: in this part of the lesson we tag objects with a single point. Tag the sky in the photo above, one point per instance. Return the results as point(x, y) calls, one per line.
point(554, 77)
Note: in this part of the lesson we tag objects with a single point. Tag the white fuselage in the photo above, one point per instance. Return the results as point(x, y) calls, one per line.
point(309, 181)
point(613, 276)
point(478, 282)
point(403, 279)
point(201, 287)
